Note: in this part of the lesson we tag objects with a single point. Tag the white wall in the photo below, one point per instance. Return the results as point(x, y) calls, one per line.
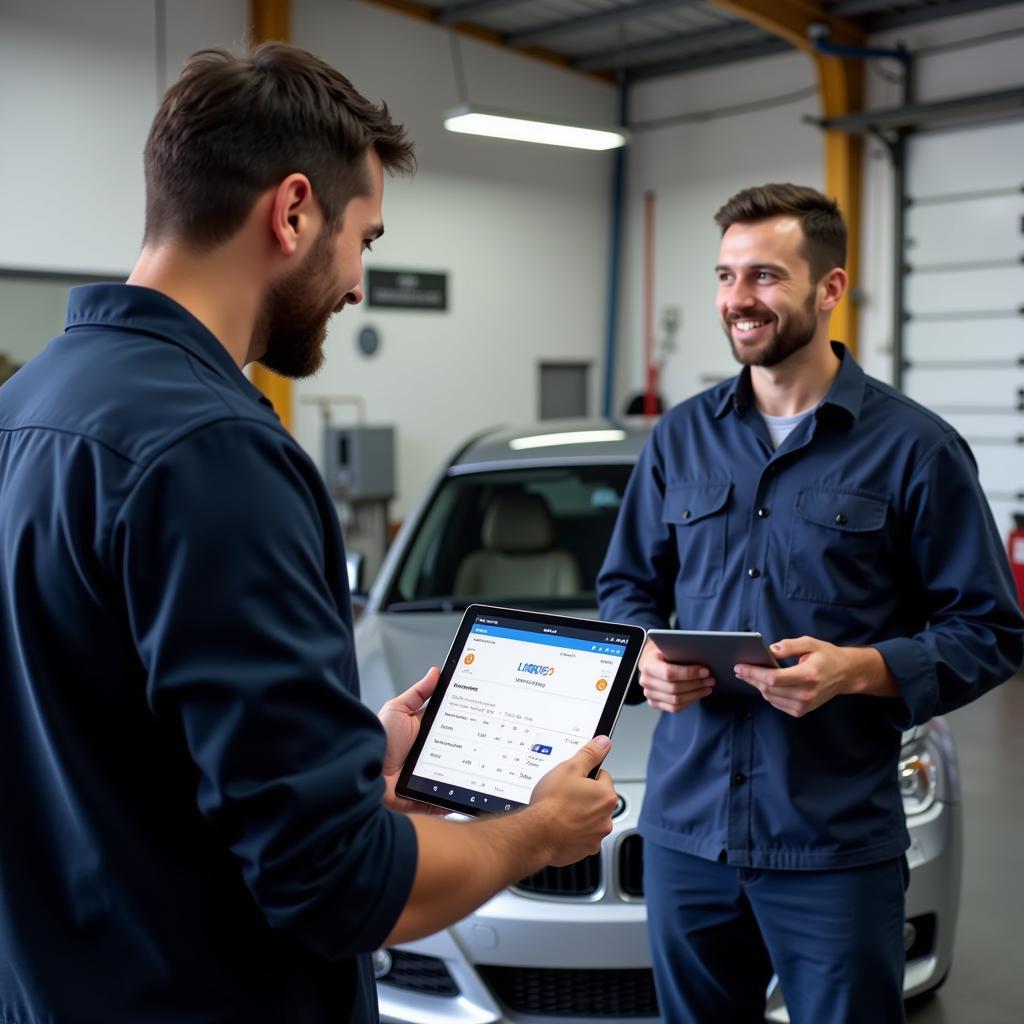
point(78, 90)
point(521, 230)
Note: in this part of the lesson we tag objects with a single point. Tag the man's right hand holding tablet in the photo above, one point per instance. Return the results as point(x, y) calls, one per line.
point(461, 865)
point(671, 687)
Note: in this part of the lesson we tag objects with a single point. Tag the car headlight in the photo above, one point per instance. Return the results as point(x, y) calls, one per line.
point(919, 778)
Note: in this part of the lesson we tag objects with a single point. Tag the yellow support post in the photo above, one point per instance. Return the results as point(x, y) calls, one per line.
point(272, 20)
point(841, 86)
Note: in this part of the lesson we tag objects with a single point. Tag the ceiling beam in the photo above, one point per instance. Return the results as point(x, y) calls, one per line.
point(670, 47)
point(790, 19)
point(421, 12)
point(917, 15)
point(682, 65)
point(470, 9)
point(611, 16)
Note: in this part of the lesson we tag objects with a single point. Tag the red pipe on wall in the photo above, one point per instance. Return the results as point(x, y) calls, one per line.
point(651, 393)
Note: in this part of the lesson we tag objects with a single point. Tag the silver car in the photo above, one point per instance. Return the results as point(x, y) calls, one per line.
point(523, 518)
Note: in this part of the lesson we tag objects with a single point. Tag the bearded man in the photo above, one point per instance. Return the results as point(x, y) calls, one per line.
point(822, 508)
point(198, 819)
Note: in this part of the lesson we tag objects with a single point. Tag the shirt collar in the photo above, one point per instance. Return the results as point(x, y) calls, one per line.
point(846, 393)
point(147, 311)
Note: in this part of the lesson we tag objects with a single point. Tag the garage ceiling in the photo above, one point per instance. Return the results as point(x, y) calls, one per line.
point(631, 40)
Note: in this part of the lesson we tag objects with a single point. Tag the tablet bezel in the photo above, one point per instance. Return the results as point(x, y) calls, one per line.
point(614, 697)
point(718, 651)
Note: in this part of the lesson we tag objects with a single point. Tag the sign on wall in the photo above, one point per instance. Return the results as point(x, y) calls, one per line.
point(406, 289)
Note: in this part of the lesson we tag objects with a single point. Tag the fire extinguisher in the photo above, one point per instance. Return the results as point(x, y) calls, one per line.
point(1017, 554)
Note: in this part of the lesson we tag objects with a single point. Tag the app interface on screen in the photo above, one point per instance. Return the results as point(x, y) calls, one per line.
point(523, 698)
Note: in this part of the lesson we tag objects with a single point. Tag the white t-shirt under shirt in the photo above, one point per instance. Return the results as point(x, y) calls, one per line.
point(780, 427)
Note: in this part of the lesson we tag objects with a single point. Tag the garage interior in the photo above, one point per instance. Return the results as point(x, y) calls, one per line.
point(582, 280)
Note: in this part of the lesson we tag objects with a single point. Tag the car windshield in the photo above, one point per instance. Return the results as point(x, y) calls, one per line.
point(529, 537)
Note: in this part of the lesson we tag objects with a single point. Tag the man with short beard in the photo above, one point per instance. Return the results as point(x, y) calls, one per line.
point(822, 508)
point(198, 820)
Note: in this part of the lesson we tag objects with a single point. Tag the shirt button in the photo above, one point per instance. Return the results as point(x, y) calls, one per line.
point(740, 777)
point(686, 513)
point(748, 715)
point(762, 513)
point(841, 520)
point(753, 573)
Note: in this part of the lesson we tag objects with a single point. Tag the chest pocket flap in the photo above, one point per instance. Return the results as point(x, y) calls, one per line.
point(851, 513)
point(686, 504)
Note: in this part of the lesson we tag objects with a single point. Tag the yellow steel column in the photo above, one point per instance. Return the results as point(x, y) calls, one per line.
point(272, 19)
point(841, 86)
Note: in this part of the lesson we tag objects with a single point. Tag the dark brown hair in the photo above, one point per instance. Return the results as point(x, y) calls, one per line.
point(233, 126)
point(822, 223)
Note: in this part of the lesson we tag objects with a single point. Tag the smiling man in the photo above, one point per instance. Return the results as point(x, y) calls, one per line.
point(198, 820)
point(822, 508)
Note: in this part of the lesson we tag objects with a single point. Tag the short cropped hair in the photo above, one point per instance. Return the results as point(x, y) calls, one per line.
point(823, 228)
point(233, 126)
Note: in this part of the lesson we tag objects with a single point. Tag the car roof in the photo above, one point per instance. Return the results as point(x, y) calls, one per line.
point(555, 442)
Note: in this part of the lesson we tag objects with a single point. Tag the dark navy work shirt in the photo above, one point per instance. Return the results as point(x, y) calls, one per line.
point(191, 825)
point(866, 527)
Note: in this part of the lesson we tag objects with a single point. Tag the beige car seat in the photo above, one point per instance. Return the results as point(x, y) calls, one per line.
point(518, 557)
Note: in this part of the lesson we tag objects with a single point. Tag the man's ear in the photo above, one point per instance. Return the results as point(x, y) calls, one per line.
point(295, 214)
point(832, 287)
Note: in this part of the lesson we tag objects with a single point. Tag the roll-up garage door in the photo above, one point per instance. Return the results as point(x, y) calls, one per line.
point(963, 342)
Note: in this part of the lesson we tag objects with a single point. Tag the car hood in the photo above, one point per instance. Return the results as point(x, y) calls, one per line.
point(395, 649)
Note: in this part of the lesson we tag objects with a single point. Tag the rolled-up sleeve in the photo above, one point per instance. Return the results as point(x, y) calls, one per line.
point(229, 564)
point(974, 633)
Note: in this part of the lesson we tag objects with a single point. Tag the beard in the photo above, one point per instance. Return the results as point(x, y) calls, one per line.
point(791, 333)
point(292, 325)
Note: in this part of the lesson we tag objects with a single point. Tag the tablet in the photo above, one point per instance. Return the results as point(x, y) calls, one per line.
point(519, 693)
point(719, 652)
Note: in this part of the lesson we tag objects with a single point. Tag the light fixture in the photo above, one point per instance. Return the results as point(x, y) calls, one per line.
point(498, 124)
point(568, 437)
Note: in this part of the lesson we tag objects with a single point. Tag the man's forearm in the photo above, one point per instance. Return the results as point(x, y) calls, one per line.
point(463, 864)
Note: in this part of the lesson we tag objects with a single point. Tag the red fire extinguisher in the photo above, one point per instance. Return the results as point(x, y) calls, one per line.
point(1017, 554)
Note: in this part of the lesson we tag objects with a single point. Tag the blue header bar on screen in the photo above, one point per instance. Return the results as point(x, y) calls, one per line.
point(502, 633)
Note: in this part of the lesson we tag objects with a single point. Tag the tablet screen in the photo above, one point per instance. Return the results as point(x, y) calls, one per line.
point(522, 696)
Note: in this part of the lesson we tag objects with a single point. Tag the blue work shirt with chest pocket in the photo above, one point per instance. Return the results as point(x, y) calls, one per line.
point(867, 526)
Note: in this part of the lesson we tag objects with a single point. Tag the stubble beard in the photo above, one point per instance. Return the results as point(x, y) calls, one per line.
point(789, 336)
point(292, 325)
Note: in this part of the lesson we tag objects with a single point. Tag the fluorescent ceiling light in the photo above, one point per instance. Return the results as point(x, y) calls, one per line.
point(501, 125)
point(570, 437)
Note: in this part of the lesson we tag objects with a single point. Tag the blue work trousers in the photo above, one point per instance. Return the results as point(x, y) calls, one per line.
point(835, 939)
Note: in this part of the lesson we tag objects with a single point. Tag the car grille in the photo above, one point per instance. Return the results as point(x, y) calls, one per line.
point(580, 879)
point(561, 992)
point(631, 866)
point(419, 973)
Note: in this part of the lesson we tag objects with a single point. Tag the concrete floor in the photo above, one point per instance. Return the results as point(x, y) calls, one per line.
point(986, 984)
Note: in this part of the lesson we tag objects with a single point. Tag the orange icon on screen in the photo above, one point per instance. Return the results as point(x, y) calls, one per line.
point(469, 659)
point(602, 684)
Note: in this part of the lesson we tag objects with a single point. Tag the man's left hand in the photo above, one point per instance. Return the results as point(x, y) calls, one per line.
point(823, 671)
point(401, 720)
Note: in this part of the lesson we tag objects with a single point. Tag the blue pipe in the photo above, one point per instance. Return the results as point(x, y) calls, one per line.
point(615, 259)
point(822, 45)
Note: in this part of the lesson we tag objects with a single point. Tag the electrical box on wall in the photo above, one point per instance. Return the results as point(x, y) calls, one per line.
point(359, 463)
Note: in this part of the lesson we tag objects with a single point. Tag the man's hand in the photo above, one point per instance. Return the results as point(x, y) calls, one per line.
point(579, 809)
point(401, 720)
point(671, 687)
point(823, 672)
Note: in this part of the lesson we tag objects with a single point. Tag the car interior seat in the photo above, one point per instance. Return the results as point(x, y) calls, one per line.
point(518, 557)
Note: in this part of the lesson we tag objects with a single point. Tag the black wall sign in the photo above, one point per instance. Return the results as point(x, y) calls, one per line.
point(406, 289)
